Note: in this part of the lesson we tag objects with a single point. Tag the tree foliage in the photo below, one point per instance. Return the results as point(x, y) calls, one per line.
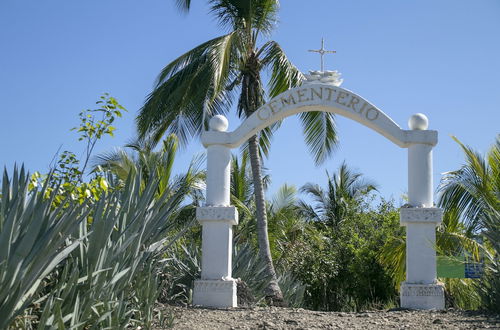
point(471, 197)
point(342, 272)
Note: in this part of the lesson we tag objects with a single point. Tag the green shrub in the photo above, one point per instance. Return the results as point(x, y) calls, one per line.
point(343, 273)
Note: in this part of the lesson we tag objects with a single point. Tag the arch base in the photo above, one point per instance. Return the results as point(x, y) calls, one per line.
point(422, 296)
point(215, 293)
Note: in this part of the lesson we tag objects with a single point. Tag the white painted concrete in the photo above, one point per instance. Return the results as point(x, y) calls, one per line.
point(216, 288)
point(418, 121)
point(218, 294)
point(420, 175)
point(324, 77)
point(422, 215)
point(422, 296)
point(420, 253)
point(218, 175)
point(320, 97)
point(217, 243)
point(218, 123)
point(420, 290)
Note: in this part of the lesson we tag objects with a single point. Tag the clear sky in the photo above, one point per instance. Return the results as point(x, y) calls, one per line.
point(441, 58)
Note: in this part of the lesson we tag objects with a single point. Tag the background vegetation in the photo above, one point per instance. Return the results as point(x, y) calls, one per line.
point(103, 250)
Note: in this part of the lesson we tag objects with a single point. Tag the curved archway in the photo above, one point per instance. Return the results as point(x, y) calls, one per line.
point(320, 97)
point(217, 288)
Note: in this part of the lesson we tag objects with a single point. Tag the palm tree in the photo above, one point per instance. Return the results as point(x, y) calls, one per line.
point(330, 206)
point(475, 188)
point(472, 194)
point(203, 82)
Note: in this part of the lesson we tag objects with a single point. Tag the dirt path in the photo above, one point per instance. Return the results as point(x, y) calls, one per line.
point(291, 318)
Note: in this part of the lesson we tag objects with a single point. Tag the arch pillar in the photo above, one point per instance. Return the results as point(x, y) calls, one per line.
point(217, 288)
point(421, 289)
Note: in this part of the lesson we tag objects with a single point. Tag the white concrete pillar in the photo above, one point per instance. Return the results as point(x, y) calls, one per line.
point(420, 236)
point(420, 184)
point(218, 175)
point(420, 290)
point(217, 241)
point(217, 288)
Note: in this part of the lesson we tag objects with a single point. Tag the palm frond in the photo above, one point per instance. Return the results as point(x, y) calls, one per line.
point(473, 187)
point(393, 257)
point(320, 134)
point(308, 212)
point(119, 161)
point(193, 83)
point(265, 138)
point(284, 75)
point(241, 179)
point(319, 127)
point(250, 15)
point(264, 16)
point(183, 5)
point(285, 197)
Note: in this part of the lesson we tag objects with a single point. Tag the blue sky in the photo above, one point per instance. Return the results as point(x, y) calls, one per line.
point(441, 58)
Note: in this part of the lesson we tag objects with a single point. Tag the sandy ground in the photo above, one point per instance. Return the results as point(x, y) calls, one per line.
point(293, 318)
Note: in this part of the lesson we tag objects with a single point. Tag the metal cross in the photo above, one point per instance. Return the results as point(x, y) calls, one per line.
point(322, 51)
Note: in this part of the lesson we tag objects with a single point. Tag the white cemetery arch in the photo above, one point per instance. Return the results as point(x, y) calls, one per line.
point(217, 288)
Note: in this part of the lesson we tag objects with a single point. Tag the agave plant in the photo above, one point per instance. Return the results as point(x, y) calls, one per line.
point(85, 265)
point(111, 280)
point(34, 239)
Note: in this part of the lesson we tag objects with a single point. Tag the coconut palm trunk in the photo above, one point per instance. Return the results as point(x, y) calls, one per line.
point(251, 99)
point(273, 292)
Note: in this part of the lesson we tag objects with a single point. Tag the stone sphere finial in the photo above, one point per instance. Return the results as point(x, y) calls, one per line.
point(218, 123)
point(418, 121)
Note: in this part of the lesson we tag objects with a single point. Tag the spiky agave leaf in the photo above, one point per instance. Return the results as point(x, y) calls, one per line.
point(32, 240)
